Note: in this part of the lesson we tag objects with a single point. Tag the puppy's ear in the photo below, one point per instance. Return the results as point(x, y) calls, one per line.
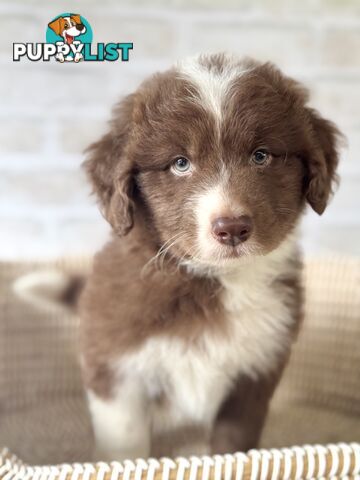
point(57, 25)
point(322, 161)
point(110, 170)
point(76, 18)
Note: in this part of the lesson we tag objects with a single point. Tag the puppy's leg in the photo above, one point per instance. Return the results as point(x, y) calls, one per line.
point(182, 441)
point(121, 423)
point(195, 442)
point(242, 416)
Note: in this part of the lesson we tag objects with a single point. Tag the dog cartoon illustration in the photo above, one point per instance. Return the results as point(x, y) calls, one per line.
point(68, 27)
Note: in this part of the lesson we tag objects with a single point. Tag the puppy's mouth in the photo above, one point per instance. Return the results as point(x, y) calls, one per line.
point(225, 254)
point(69, 39)
point(232, 253)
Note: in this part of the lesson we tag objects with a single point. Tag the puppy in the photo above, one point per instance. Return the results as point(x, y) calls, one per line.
point(189, 315)
point(68, 28)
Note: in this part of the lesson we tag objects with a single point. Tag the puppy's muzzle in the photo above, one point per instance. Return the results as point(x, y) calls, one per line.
point(80, 27)
point(232, 231)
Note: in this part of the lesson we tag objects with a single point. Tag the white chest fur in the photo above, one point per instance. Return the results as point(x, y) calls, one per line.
point(197, 377)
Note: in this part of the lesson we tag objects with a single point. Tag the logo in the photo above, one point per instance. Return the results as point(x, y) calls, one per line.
point(69, 39)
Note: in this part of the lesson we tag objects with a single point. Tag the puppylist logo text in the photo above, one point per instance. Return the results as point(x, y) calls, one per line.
point(69, 39)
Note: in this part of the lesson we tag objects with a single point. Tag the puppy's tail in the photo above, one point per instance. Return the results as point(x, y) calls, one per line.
point(50, 290)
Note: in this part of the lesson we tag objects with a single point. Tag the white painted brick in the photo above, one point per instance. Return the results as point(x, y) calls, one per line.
point(285, 46)
point(346, 200)
point(56, 88)
point(44, 188)
point(57, 110)
point(343, 207)
point(340, 8)
point(21, 135)
point(340, 47)
point(21, 235)
point(50, 158)
point(286, 7)
point(23, 238)
point(77, 134)
point(153, 38)
point(20, 28)
point(338, 99)
point(211, 4)
point(81, 236)
point(352, 154)
point(83, 5)
point(332, 238)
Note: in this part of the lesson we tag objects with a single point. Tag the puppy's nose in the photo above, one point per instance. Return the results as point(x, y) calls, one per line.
point(80, 26)
point(232, 231)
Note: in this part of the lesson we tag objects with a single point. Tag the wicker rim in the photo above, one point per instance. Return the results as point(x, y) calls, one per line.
point(310, 461)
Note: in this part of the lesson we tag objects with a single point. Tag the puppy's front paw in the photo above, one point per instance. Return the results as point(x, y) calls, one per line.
point(78, 57)
point(60, 57)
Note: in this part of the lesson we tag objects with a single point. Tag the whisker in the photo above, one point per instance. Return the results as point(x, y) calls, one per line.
point(161, 253)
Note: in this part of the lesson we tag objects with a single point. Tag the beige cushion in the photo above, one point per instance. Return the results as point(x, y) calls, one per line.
point(43, 415)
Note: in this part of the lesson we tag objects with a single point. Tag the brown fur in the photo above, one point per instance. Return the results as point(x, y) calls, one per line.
point(242, 416)
point(125, 302)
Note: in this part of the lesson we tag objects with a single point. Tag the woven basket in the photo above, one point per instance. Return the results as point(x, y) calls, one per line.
point(44, 419)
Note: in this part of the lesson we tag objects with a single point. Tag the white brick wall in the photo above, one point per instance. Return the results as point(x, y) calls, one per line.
point(50, 112)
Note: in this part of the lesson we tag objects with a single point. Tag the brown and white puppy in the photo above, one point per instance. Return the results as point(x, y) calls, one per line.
point(189, 315)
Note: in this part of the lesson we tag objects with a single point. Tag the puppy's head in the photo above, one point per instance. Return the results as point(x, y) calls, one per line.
point(69, 27)
point(217, 156)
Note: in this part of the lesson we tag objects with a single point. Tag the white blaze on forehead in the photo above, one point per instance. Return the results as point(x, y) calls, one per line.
point(213, 85)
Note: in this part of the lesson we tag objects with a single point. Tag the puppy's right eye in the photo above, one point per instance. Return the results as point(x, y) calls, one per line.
point(260, 157)
point(181, 166)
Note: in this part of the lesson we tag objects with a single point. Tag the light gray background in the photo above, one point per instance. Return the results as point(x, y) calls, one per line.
point(50, 112)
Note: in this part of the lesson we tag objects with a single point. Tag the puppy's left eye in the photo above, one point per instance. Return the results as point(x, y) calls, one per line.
point(260, 157)
point(181, 166)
